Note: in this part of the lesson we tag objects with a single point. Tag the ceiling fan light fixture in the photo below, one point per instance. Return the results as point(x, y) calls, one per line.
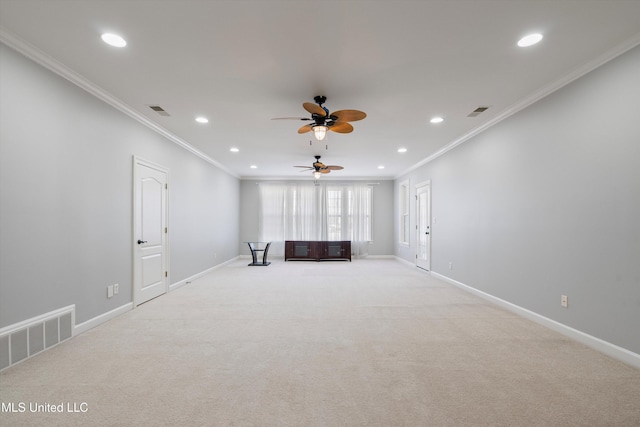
point(317, 174)
point(320, 131)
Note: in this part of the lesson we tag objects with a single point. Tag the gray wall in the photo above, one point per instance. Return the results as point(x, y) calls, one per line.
point(66, 198)
point(382, 216)
point(546, 203)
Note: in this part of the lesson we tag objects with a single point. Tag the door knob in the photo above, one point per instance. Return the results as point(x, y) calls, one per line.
point(141, 241)
point(426, 232)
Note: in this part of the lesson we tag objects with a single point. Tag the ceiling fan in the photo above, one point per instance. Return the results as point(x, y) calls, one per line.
point(324, 120)
point(319, 168)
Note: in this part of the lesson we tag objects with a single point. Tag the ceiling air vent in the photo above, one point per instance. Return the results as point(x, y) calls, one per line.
point(477, 111)
point(158, 109)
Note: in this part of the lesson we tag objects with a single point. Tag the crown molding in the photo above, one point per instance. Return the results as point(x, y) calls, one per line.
point(533, 98)
point(41, 58)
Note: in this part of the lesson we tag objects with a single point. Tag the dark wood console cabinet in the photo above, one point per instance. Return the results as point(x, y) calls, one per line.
point(317, 250)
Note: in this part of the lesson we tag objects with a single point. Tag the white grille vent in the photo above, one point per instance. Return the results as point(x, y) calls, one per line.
point(158, 109)
point(477, 111)
point(26, 339)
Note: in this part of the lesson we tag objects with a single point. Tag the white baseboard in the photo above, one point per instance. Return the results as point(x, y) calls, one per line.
point(404, 261)
point(104, 317)
point(619, 353)
point(377, 256)
point(37, 319)
point(23, 329)
point(190, 279)
point(98, 320)
point(270, 257)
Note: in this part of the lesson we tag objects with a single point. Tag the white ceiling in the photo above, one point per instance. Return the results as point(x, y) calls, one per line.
point(242, 63)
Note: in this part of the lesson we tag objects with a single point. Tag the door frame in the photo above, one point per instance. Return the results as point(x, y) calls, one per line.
point(136, 230)
point(418, 186)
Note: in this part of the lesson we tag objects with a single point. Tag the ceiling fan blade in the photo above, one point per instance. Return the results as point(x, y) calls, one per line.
point(305, 129)
point(306, 167)
point(341, 127)
point(314, 109)
point(291, 118)
point(334, 167)
point(324, 170)
point(349, 115)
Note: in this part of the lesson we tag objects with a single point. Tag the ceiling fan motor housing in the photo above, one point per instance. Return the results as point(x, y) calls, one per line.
point(320, 99)
point(319, 167)
point(318, 164)
point(323, 120)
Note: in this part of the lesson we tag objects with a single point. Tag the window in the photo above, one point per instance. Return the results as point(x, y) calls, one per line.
point(404, 220)
point(349, 211)
point(334, 215)
point(308, 212)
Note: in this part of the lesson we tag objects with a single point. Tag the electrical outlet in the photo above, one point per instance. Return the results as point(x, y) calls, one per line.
point(116, 289)
point(564, 301)
point(110, 291)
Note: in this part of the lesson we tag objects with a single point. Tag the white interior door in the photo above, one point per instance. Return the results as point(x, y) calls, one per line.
point(150, 245)
point(423, 226)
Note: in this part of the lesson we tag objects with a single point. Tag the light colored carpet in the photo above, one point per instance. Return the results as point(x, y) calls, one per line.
point(367, 343)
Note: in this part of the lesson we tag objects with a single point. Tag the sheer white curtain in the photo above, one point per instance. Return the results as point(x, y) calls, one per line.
point(271, 223)
point(359, 214)
point(303, 211)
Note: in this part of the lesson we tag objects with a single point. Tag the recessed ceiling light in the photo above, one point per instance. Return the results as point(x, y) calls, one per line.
point(381, 167)
point(253, 167)
point(529, 40)
point(436, 120)
point(202, 120)
point(234, 149)
point(402, 150)
point(114, 40)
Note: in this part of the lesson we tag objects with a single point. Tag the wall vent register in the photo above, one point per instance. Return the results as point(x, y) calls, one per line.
point(26, 339)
